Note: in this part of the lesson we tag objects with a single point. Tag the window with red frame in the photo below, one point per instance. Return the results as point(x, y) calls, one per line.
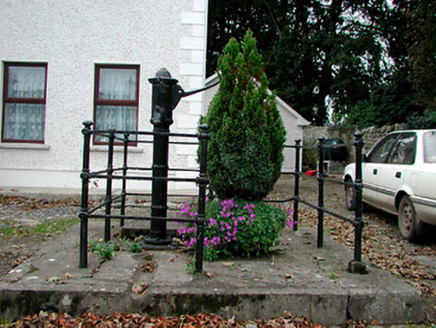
point(24, 99)
point(116, 99)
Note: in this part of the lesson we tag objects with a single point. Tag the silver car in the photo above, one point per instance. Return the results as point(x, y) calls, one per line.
point(399, 177)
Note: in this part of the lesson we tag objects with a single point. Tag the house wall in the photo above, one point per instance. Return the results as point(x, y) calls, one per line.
point(294, 131)
point(73, 36)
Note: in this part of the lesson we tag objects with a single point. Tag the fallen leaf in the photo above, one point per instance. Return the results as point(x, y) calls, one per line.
point(140, 289)
point(227, 264)
point(209, 275)
point(68, 276)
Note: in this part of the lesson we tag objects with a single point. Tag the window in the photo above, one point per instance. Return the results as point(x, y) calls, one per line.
point(24, 99)
point(430, 147)
point(404, 151)
point(116, 98)
point(382, 150)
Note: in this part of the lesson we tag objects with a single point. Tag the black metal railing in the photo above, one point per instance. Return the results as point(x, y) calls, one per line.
point(355, 265)
point(123, 173)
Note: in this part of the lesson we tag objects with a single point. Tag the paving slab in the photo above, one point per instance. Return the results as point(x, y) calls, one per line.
point(296, 277)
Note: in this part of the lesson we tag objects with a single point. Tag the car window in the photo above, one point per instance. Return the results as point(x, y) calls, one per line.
point(380, 153)
point(430, 147)
point(404, 150)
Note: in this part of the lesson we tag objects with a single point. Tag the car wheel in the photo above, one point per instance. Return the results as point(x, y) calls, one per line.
point(408, 222)
point(350, 199)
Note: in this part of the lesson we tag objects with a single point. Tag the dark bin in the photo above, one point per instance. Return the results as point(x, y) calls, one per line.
point(335, 150)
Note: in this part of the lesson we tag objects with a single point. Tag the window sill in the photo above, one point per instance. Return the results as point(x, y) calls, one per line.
point(29, 146)
point(119, 149)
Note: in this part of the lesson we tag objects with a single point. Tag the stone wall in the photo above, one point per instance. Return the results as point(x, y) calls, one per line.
point(370, 135)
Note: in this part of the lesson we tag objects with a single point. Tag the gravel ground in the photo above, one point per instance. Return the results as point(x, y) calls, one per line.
point(21, 216)
point(382, 244)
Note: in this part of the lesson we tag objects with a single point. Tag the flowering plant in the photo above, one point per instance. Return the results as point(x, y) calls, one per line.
point(236, 227)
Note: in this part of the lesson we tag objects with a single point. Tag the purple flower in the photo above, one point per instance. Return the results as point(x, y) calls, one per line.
point(191, 242)
point(212, 222)
point(290, 224)
point(185, 209)
point(249, 207)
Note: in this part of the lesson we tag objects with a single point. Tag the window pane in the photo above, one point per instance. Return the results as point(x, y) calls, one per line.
point(381, 152)
point(430, 147)
point(24, 122)
point(117, 84)
point(116, 117)
point(404, 151)
point(26, 82)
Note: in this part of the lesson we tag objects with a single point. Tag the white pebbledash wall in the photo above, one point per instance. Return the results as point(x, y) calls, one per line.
point(73, 36)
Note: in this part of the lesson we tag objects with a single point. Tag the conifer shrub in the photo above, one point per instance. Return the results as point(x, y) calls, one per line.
point(245, 152)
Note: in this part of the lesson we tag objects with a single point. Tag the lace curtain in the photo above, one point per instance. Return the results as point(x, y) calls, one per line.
point(116, 84)
point(25, 121)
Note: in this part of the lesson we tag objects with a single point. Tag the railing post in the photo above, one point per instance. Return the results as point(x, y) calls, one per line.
point(124, 183)
point(83, 261)
point(356, 265)
point(320, 239)
point(110, 170)
point(203, 181)
point(297, 183)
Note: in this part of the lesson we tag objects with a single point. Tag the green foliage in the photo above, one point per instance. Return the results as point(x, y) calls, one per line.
point(421, 39)
point(354, 58)
point(317, 54)
point(133, 247)
point(249, 15)
point(426, 121)
point(386, 105)
point(247, 133)
point(237, 228)
point(105, 249)
point(190, 266)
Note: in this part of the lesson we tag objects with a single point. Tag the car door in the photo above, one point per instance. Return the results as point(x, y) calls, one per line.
point(391, 174)
point(374, 162)
point(425, 172)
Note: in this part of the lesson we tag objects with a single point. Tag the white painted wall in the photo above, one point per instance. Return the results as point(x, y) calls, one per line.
point(292, 121)
point(73, 36)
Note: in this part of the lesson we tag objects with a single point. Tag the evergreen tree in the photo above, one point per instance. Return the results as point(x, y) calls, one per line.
point(247, 133)
point(421, 39)
point(337, 55)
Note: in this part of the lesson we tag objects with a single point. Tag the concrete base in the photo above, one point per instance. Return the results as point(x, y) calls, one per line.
point(295, 277)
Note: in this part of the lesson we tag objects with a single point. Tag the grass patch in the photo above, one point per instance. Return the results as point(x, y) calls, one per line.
point(11, 228)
